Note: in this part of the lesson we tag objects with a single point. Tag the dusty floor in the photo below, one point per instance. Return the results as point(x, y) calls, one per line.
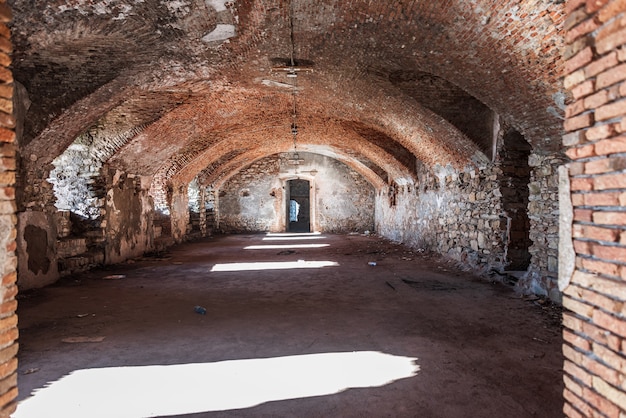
point(408, 337)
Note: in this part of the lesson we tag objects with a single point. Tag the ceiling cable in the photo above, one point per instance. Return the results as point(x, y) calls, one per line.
point(294, 76)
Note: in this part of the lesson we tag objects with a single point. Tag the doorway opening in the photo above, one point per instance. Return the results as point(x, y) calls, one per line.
point(515, 199)
point(298, 206)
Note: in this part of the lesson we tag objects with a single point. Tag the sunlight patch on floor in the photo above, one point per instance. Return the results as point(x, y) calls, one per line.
point(293, 238)
point(273, 265)
point(284, 246)
point(152, 391)
point(292, 234)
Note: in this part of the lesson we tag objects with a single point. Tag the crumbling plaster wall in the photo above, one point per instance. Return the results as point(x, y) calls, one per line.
point(129, 214)
point(37, 250)
point(91, 215)
point(251, 200)
point(254, 199)
point(179, 209)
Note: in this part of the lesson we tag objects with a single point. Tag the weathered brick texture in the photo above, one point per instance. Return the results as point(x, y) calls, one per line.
point(8, 261)
point(595, 328)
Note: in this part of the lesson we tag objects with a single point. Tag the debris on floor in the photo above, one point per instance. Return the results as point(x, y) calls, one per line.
point(430, 285)
point(114, 277)
point(200, 310)
point(473, 340)
point(155, 256)
point(75, 340)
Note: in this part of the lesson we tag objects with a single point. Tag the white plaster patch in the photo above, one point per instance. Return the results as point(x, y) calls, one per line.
point(218, 5)
point(124, 13)
point(272, 83)
point(401, 181)
point(567, 254)
point(227, 113)
point(178, 7)
point(220, 33)
point(100, 9)
point(174, 5)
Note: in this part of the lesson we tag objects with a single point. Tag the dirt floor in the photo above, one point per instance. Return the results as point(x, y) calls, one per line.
point(290, 330)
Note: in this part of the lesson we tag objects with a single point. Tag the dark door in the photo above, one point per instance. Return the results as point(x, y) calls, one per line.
point(298, 207)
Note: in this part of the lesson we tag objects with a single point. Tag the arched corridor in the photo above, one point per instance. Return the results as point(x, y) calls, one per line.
point(487, 132)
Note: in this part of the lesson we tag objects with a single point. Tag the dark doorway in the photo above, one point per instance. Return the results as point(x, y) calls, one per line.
point(298, 206)
point(515, 199)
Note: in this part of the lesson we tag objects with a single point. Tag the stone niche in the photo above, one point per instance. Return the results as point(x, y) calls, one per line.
point(36, 249)
point(258, 197)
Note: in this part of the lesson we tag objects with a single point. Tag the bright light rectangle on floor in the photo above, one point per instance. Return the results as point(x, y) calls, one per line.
point(291, 234)
point(293, 238)
point(180, 389)
point(284, 246)
point(273, 265)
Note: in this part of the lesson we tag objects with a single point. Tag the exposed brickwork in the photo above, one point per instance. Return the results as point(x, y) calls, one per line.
point(458, 107)
point(87, 33)
point(595, 334)
point(8, 221)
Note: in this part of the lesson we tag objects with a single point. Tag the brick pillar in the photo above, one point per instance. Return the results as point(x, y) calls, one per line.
point(595, 294)
point(8, 223)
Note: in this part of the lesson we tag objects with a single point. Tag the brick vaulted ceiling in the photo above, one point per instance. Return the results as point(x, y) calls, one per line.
point(183, 84)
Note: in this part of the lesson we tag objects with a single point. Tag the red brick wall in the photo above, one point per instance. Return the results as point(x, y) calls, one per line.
point(8, 220)
point(595, 325)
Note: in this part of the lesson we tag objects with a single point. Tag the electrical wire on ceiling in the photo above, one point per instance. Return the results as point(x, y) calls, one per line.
point(294, 77)
point(292, 70)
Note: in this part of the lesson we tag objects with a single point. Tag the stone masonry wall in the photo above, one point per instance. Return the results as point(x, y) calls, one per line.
point(159, 192)
point(594, 280)
point(8, 222)
point(543, 212)
point(76, 178)
point(461, 215)
point(457, 214)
